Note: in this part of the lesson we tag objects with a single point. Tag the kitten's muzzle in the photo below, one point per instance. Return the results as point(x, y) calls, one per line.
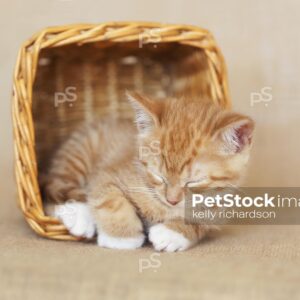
point(174, 194)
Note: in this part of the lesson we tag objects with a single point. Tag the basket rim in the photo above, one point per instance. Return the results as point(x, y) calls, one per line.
point(144, 24)
point(26, 173)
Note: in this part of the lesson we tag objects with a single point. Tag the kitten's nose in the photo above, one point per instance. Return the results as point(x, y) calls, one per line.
point(173, 201)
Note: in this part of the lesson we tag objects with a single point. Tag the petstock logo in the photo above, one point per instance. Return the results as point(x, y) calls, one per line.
point(257, 206)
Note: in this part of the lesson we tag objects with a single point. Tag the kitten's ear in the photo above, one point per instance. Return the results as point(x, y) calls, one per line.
point(147, 110)
point(235, 133)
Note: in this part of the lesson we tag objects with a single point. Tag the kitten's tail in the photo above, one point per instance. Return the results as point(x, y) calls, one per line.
point(62, 188)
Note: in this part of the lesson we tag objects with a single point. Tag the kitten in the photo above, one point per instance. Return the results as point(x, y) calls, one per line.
point(123, 181)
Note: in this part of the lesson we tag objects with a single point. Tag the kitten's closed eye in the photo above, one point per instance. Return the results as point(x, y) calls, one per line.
point(197, 182)
point(155, 178)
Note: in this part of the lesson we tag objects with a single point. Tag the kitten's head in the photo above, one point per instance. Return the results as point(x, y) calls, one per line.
point(190, 144)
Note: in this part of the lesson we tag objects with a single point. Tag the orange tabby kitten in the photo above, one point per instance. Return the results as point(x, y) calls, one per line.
point(124, 182)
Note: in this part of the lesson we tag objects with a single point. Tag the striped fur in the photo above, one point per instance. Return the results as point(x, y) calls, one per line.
point(136, 176)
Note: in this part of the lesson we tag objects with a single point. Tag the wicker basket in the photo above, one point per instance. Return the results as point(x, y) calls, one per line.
point(67, 75)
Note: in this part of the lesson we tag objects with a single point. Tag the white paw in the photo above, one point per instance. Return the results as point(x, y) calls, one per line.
point(77, 218)
point(107, 241)
point(165, 239)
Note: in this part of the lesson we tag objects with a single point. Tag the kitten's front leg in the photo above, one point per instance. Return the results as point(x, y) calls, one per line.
point(118, 225)
point(175, 235)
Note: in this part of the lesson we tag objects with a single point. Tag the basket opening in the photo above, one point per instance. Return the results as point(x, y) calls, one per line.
point(75, 84)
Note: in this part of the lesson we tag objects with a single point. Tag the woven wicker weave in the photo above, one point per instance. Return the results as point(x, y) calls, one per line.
point(98, 63)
